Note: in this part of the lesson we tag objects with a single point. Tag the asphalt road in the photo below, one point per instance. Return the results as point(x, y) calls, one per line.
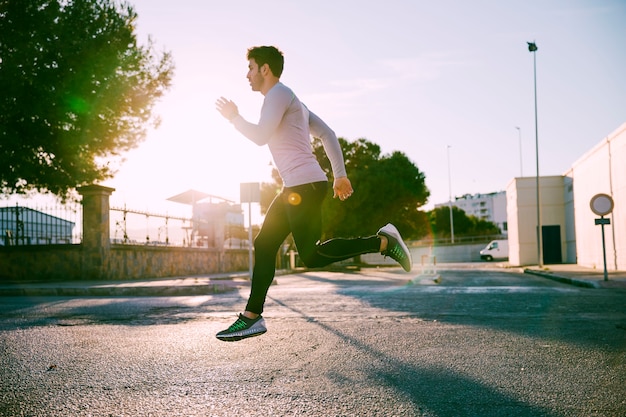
point(481, 343)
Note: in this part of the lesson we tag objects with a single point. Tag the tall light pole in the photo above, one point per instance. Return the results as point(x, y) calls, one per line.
point(532, 47)
point(450, 197)
point(521, 169)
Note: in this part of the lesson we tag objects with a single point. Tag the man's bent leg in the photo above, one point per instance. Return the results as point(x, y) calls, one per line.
point(306, 226)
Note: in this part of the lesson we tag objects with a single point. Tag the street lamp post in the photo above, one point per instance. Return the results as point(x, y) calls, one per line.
point(532, 47)
point(521, 169)
point(450, 198)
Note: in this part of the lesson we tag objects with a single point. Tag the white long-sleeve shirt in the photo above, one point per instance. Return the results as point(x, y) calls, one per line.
point(286, 126)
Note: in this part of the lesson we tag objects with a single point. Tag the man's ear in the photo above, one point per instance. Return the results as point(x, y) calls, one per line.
point(265, 69)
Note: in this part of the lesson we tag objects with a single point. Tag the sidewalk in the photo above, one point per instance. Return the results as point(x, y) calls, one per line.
point(580, 276)
point(226, 282)
point(166, 287)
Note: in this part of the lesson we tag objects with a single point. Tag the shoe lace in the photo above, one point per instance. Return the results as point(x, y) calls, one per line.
point(238, 325)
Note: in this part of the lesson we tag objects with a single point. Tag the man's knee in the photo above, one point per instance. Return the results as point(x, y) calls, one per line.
point(313, 260)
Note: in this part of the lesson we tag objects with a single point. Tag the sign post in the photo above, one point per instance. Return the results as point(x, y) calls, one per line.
point(602, 204)
point(250, 192)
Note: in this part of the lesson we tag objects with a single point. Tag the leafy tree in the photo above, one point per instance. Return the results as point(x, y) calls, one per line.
point(77, 91)
point(269, 191)
point(388, 188)
point(464, 225)
point(482, 227)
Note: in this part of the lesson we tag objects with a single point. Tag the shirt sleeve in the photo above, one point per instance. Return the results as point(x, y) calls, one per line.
point(320, 130)
point(274, 107)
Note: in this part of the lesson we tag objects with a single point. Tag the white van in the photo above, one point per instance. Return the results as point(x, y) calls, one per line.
point(495, 250)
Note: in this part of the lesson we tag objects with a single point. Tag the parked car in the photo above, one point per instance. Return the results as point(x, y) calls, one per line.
point(495, 250)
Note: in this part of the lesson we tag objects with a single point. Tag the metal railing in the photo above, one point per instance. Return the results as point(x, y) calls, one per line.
point(62, 224)
point(459, 240)
point(137, 227)
point(41, 225)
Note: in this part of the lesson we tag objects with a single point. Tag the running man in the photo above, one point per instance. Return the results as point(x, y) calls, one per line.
point(286, 126)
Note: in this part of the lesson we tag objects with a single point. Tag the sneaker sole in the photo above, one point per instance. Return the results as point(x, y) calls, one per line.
point(256, 329)
point(236, 338)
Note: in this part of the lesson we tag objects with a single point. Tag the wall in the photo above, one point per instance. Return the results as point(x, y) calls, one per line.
point(570, 220)
point(32, 263)
point(566, 201)
point(95, 258)
point(522, 216)
point(423, 255)
point(601, 170)
point(131, 262)
point(522, 219)
point(65, 262)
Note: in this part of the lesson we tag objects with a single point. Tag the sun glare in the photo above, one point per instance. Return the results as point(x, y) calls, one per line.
point(213, 162)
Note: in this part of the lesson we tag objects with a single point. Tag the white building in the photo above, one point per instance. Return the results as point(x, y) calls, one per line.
point(569, 230)
point(489, 207)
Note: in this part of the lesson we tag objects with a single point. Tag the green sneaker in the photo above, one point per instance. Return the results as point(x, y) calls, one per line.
point(243, 328)
point(396, 249)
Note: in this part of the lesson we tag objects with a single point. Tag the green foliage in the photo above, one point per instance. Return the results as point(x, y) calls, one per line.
point(77, 90)
point(464, 225)
point(387, 188)
point(269, 191)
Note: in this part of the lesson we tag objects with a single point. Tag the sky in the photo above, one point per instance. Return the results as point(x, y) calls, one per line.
point(445, 82)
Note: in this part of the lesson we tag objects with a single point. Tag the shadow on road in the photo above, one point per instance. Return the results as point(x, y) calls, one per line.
point(526, 305)
point(135, 311)
point(433, 390)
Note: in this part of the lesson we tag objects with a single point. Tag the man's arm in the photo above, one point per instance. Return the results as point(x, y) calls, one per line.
point(274, 107)
point(342, 187)
point(320, 130)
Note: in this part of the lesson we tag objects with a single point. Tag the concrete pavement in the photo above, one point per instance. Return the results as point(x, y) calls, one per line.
point(176, 286)
point(486, 342)
point(225, 282)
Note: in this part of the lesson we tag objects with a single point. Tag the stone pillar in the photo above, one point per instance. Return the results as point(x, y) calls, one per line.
point(96, 231)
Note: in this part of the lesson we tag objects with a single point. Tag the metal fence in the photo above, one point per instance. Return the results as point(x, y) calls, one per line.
point(136, 227)
point(54, 224)
point(62, 224)
point(41, 225)
point(458, 240)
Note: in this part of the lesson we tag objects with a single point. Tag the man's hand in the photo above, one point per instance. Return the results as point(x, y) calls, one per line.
point(342, 188)
point(227, 108)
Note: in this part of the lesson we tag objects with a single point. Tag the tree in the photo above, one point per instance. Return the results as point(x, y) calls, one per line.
point(388, 188)
point(77, 92)
point(464, 225)
point(270, 190)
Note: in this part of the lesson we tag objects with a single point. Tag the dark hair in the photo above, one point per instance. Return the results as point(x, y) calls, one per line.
point(269, 55)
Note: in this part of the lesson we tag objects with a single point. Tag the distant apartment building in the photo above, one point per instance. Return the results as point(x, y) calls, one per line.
point(489, 207)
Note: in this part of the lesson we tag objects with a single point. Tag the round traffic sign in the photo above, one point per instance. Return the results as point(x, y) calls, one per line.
point(601, 204)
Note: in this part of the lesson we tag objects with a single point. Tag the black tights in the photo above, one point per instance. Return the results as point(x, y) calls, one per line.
point(298, 210)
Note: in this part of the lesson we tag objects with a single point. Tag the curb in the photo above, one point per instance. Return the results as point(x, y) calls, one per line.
point(119, 291)
point(565, 280)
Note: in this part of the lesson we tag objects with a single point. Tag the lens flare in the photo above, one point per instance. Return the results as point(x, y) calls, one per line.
point(294, 199)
